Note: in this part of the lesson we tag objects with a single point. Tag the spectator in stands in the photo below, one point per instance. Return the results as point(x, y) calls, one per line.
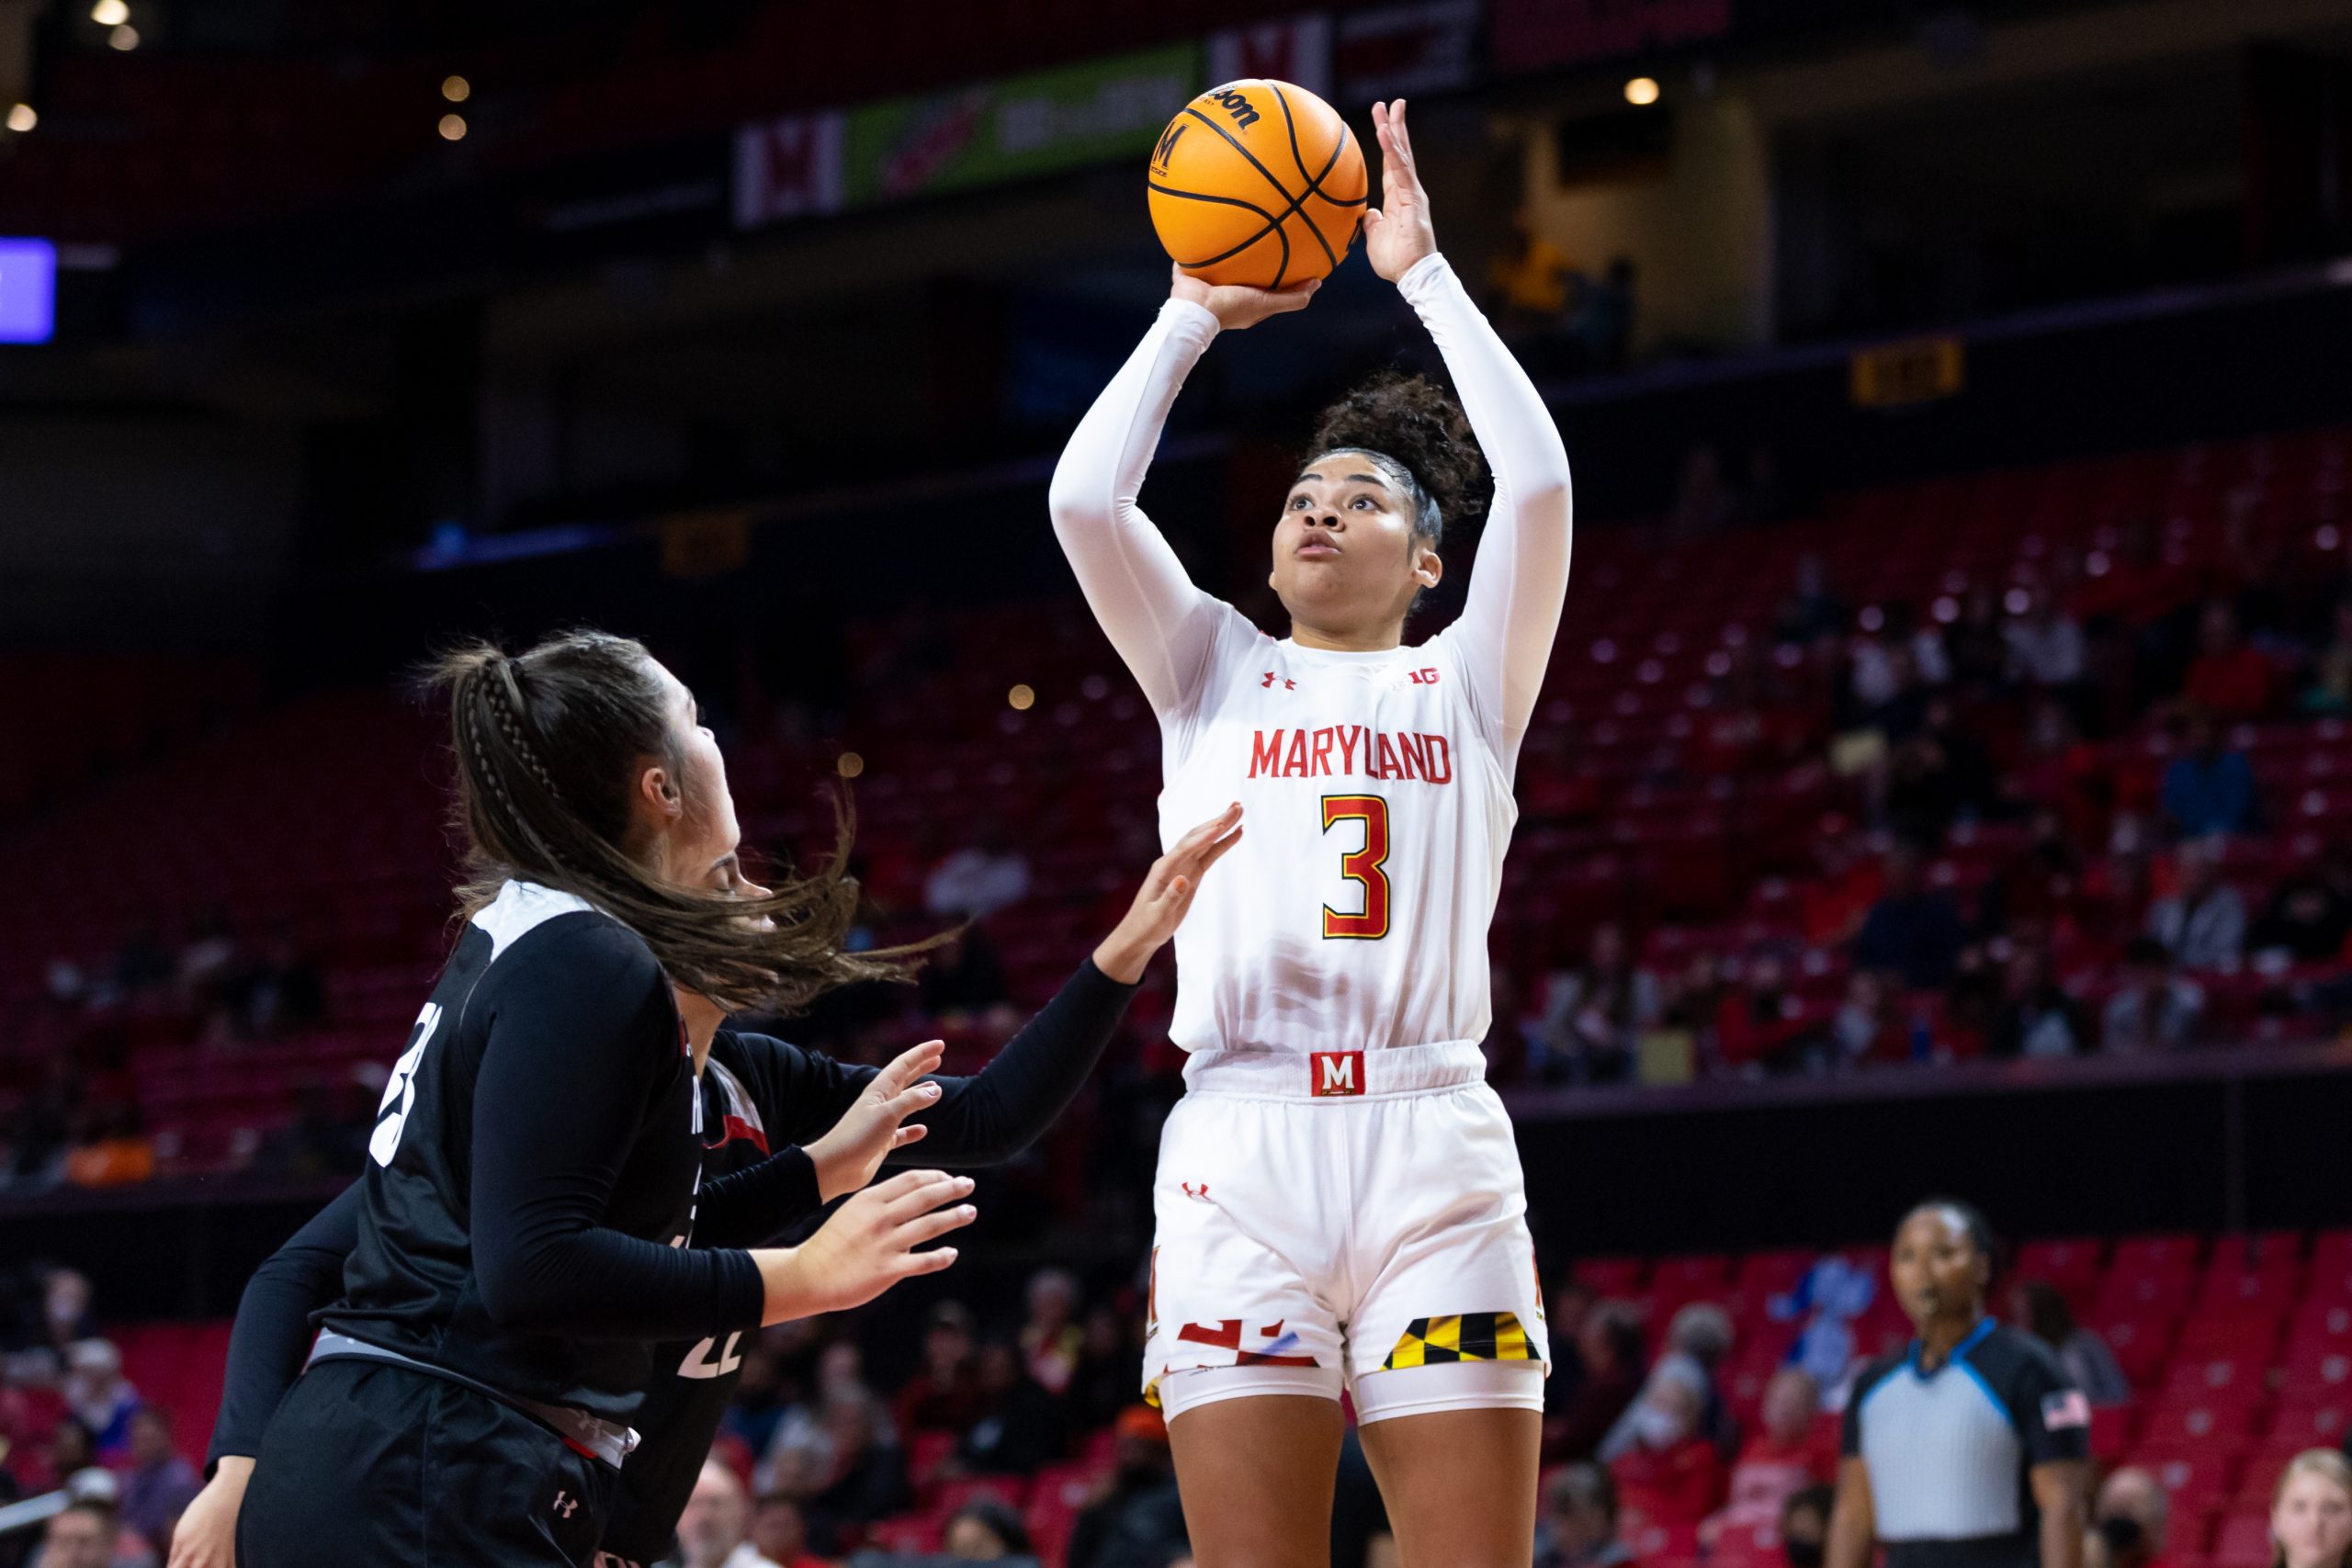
point(1673, 1475)
point(1789, 1450)
point(326, 1135)
point(1527, 295)
point(976, 880)
point(759, 1404)
point(1912, 930)
point(1601, 321)
point(2037, 1017)
point(2154, 1008)
point(2040, 1308)
point(2310, 913)
point(2046, 648)
point(2131, 1519)
point(868, 1480)
point(72, 1450)
point(984, 1530)
point(1594, 1014)
point(110, 1147)
point(715, 1528)
point(1020, 1426)
point(1578, 1525)
point(1763, 1022)
point(1936, 776)
point(1136, 1519)
point(1804, 1524)
point(2203, 924)
point(1704, 500)
point(944, 1393)
point(780, 1533)
point(2311, 1512)
point(158, 1485)
point(100, 1395)
point(1050, 1340)
point(1979, 648)
point(2330, 691)
point(281, 990)
point(2209, 788)
point(1104, 1383)
point(2229, 678)
point(1611, 1348)
point(1813, 608)
point(86, 1534)
point(1866, 1027)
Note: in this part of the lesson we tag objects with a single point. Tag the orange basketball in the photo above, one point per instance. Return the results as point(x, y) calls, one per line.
point(1258, 182)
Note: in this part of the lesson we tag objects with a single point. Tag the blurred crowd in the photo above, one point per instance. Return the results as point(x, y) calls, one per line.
point(2048, 838)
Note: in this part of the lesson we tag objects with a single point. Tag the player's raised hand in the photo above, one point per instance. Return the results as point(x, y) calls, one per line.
point(1166, 892)
point(1396, 233)
point(866, 1246)
point(1237, 306)
point(847, 1157)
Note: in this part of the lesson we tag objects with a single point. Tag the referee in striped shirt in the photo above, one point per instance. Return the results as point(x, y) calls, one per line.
point(1969, 1449)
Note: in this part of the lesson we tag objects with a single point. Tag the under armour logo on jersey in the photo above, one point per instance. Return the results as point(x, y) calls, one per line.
point(1288, 684)
point(1198, 1192)
point(566, 1504)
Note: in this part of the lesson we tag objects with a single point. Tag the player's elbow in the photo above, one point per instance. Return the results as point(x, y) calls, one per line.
point(1078, 503)
point(519, 1294)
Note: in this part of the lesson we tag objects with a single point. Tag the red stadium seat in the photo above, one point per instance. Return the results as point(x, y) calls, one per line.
point(2242, 1541)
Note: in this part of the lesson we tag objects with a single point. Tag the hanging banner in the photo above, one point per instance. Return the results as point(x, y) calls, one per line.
point(1530, 35)
point(980, 135)
point(1297, 49)
point(787, 168)
point(1396, 52)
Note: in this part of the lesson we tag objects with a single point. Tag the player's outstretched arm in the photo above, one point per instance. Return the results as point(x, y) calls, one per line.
point(845, 1112)
point(870, 1244)
point(1512, 611)
point(1162, 625)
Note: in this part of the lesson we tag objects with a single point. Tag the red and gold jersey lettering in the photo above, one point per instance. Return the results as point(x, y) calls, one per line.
point(1361, 866)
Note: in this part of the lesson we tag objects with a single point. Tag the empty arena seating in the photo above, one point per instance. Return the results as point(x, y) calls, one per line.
point(322, 818)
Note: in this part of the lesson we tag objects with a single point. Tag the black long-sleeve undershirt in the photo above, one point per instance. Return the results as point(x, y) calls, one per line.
point(982, 1119)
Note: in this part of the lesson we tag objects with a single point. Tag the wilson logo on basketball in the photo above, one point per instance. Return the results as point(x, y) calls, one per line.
point(1244, 115)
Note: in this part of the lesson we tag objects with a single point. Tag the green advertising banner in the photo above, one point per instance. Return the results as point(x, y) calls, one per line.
point(992, 131)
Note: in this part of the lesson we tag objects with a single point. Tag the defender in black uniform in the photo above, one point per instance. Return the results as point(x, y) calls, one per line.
point(758, 1094)
point(535, 1172)
point(1970, 1448)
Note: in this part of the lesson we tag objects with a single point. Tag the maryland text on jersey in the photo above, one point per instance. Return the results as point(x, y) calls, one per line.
point(1344, 749)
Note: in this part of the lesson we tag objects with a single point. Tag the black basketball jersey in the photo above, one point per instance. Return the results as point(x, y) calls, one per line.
point(530, 1185)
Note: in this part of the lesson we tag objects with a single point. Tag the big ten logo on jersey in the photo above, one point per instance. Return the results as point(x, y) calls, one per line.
point(1422, 677)
point(400, 1090)
point(708, 1359)
point(1244, 113)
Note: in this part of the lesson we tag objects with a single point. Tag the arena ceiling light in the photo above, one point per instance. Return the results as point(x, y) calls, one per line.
point(453, 128)
point(23, 117)
point(1641, 90)
point(110, 12)
point(124, 37)
point(456, 89)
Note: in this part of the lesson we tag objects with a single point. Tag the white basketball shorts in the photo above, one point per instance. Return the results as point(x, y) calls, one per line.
point(1344, 1219)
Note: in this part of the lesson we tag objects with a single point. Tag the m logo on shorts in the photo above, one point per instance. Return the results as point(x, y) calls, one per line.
point(1335, 1072)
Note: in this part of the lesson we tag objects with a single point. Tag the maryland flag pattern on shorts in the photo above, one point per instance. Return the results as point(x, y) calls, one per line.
point(1465, 1337)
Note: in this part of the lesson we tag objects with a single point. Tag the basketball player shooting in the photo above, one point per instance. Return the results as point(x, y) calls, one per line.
point(1340, 1203)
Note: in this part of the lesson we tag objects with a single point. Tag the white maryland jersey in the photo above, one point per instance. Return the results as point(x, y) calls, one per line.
point(1375, 812)
point(1376, 788)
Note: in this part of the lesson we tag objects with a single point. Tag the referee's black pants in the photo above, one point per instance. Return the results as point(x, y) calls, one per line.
point(366, 1463)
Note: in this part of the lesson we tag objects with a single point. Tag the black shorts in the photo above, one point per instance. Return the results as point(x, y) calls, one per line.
point(366, 1463)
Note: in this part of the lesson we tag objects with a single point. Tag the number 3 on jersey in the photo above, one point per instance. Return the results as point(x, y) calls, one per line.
point(1362, 866)
point(399, 1090)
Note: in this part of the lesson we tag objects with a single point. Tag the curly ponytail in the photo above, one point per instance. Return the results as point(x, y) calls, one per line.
point(1420, 438)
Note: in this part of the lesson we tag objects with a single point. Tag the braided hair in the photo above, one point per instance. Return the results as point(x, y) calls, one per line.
point(549, 744)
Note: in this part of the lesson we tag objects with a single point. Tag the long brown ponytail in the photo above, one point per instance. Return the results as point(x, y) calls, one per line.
point(549, 744)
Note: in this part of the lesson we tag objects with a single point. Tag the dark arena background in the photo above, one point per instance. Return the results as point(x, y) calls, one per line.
point(1942, 783)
